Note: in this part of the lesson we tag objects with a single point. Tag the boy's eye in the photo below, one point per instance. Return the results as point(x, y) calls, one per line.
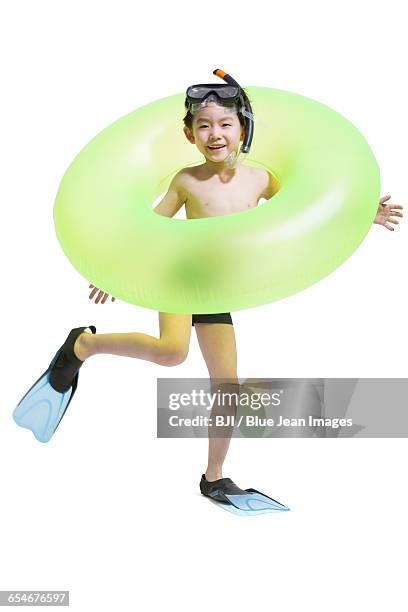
point(226, 124)
point(202, 126)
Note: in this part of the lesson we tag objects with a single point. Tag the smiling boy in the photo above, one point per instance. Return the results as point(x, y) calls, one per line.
point(218, 186)
point(215, 187)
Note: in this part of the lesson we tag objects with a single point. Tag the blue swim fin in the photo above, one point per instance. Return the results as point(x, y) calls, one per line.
point(46, 402)
point(239, 501)
point(42, 408)
point(254, 501)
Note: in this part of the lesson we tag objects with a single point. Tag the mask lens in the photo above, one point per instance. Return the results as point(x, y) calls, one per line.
point(228, 92)
point(197, 92)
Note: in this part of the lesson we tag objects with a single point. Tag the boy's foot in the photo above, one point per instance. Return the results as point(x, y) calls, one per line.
point(81, 346)
point(66, 363)
point(219, 489)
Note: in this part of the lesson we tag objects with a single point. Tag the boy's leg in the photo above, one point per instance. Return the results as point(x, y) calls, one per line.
point(170, 349)
point(218, 346)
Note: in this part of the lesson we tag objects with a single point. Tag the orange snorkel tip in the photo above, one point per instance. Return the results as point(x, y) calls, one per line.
point(219, 73)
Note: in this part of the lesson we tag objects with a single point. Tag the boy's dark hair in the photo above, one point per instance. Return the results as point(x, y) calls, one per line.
point(188, 118)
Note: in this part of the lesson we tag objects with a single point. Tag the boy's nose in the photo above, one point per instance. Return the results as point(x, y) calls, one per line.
point(214, 134)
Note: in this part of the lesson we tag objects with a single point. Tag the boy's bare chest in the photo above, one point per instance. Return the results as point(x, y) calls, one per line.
point(207, 199)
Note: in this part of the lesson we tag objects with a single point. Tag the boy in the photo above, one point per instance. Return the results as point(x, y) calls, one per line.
point(216, 187)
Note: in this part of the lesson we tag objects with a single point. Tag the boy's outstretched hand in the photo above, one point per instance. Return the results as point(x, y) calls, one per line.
point(386, 213)
point(101, 295)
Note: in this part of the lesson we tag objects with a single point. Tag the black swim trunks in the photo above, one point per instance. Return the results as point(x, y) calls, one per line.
point(223, 317)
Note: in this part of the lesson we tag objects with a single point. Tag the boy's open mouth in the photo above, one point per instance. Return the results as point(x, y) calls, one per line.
point(215, 147)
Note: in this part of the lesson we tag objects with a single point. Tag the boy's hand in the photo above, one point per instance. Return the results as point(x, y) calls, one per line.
point(386, 212)
point(101, 295)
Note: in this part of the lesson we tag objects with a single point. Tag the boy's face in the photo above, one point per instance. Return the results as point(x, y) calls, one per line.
point(216, 132)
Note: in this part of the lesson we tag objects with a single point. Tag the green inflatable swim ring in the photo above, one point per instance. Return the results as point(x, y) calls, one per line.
point(328, 198)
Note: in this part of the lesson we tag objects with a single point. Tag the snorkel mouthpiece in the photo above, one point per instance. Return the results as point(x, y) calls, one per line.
point(233, 158)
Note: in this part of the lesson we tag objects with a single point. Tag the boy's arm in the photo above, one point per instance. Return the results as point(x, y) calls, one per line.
point(173, 200)
point(272, 187)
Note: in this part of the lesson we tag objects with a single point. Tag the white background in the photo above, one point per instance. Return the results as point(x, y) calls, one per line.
point(105, 509)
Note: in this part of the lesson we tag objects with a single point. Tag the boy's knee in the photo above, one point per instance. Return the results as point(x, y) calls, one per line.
point(169, 356)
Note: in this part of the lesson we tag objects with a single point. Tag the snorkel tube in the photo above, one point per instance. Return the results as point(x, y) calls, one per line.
point(246, 112)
